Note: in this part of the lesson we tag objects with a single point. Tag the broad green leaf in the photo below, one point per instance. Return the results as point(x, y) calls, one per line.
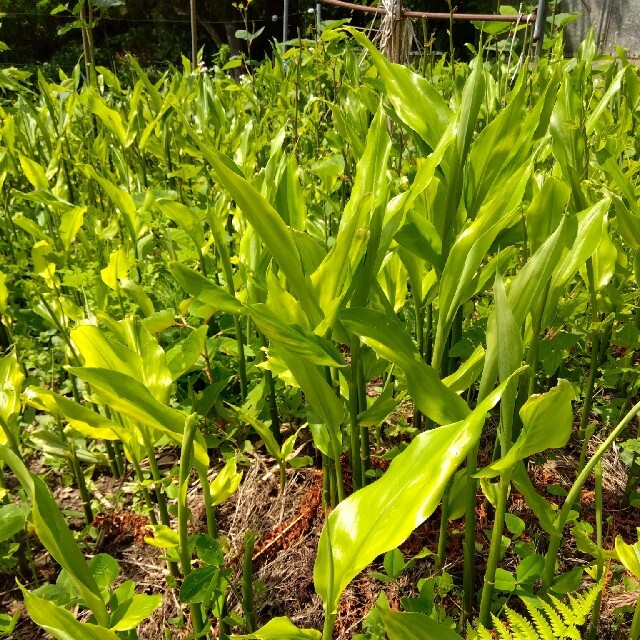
point(105, 570)
point(34, 173)
point(70, 224)
point(60, 623)
point(118, 267)
point(387, 337)
point(138, 295)
point(545, 211)
point(226, 483)
point(468, 252)
point(380, 409)
point(182, 356)
point(126, 395)
point(525, 291)
point(629, 555)
point(401, 625)
point(588, 235)
point(281, 629)
point(185, 218)
point(80, 417)
point(612, 90)
point(159, 321)
point(205, 291)
point(603, 261)
point(109, 117)
point(31, 227)
point(4, 293)
point(200, 584)
point(382, 515)
point(628, 224)
point(466, 374)
point(542, 509)
point(155, 374)
point(163, 537)
point(262, 430)
point(295, 339)
point(547, 419)
point(56, 537)
point(268, 224)
point(44, 261)
point(11, 379)
point(319, 394)
point(132, 612)
point(418, 104)
point(12, 520)
point(122, 201)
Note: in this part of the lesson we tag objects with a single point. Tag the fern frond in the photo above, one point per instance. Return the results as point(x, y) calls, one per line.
point(483, 634)
point(569, 614)
point(503, 632)
point(520, 625)
point(539, 621)
point(553, 620)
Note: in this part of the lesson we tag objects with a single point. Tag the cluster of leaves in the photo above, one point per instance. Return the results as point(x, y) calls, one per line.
point(206, 264)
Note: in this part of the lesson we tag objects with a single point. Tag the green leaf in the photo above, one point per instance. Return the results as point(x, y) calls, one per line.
point(205, 291)
point(505, 580)
point(268, 224)
point(80, 417)
point(226, 483)
point(262, 430)
point(109, 117)
point(163, 537)
point(547, 420)
point(132, 612)
point(281, 629)
point(12, 520)
point(60, 623)
point(56, 537)
point(629, 555)
point(417, 626)
point(34, 173)
point(382, 515)
point(185, 218)
point(387, 337)
point(530, 569)
point(11, 379)
point(295, 339)
point(70, 224)
point(105, 570)
point(200, 585)
point(138, 295)
point(418, 104)
point(183, 355)
point(394, 563)
point(118, 267)
point(209, 550)
point(382, 407)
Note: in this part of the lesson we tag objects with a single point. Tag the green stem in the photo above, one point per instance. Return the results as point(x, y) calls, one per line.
point(157, 477)
point(572, 497)
point(469, 544)
point(441, 554)
point(209, 507)
point(248, 604)
point(595, 616)
point(186, 464)
point(588, 400)
point(634, 634)
point(494, 551)
point(356, 461)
